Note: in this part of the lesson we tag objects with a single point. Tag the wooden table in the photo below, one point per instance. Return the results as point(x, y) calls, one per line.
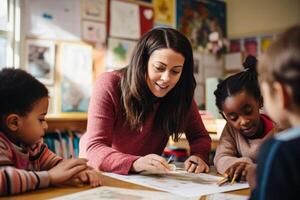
point(106, 181)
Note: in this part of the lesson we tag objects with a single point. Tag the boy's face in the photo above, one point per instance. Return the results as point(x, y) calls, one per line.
point(242, 112)
point(32, 126)
point(272, 103)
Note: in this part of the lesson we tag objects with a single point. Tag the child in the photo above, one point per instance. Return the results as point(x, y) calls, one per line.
point(25, 161)
point(239, 100)
point(278, 168)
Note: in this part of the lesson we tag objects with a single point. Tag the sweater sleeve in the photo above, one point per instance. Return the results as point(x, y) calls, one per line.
point(13, 180)
point(47, 158)
point(197, 135)
point(226, 152)
point(102, 115)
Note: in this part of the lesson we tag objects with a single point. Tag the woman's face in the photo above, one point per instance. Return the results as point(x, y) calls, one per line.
point(164, 70)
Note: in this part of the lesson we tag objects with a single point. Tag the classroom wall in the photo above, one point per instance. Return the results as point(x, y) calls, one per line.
point(254, 17)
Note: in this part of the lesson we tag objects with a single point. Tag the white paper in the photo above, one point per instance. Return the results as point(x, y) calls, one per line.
point(76, 77)
point(94, 32)
point(40, 60)
point(119, 53)
point(124, 20)
point(94, 10)
point(233, 61)
point(111, 193)
point(55, 19)
point(4, 15)
point(186, 184)
point(224, 196)
point(3, 52)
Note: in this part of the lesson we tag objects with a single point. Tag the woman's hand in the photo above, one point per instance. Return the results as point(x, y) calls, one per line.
point(66, 170)
point(195, 164)
point(238, 171)
point(151, 163)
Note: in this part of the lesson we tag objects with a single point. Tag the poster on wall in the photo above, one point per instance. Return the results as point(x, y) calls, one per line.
point(3, 52)
point(4, 15)
point(124, 20)
point(94, 10)
point(119, 53)
point(197, 19)
point(164, 12)
point(94, 31)
point(146, 18)
point(265, 42)
point(43, 19)
point(40, 60)
point(76, 75)
point(251, 46)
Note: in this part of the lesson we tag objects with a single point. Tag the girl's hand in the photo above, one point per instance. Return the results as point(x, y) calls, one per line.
point(151, 163)
point(90, 176)
point(237, 171)
point(66, 170)
point(195, 164)
point(251, 175)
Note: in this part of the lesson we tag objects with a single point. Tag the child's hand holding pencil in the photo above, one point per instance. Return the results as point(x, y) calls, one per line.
point(235, 173)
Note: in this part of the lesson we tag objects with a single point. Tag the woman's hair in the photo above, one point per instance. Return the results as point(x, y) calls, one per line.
point(19, 91)
point(242, 81)
point(137, 98)
point(281, 62)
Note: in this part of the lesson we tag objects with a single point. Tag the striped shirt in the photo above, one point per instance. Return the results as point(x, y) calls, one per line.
point(24, 168)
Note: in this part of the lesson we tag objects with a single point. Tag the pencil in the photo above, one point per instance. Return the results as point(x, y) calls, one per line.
point(223, 181)
point(171, 159)
point(193, 162)
point(233, 179)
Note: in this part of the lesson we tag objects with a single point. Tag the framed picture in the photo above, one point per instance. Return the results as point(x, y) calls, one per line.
point(76, 77)
point(94, 9)
point(119, 53)
point(164, 12)
point(40, 60)
point(4, 7)
point(94, 32)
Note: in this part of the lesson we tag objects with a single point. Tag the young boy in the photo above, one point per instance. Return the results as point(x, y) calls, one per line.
point(278, 169)
point(25, 161)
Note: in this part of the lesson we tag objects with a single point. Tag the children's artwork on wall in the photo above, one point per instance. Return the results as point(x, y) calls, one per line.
point(3, 52)
point(76, 73)
point(52, 101)
point(198, 68)
point(52, 19)
point(4, 15)
point(251, 46)
point(124, 20)
point(235, 46)
point(94, 10)
point(94, 31)
point(164, 12)
point(119, 53)
point(146, 18)
point(198, 19)
point(40, 60)
point(265, 42)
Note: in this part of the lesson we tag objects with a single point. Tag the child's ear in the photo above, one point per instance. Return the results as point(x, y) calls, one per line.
point(12, 122)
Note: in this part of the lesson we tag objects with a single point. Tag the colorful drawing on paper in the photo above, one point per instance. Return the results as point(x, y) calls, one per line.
point(119, 53)
point(76, 77)
point(40, 60)
point(164, 12)
point(265, 42)
point(235, 46)
point(197, 19)
point(250, 46)
point(94, 10)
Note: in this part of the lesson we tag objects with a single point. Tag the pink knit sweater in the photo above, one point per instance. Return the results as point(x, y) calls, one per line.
point(110, 145)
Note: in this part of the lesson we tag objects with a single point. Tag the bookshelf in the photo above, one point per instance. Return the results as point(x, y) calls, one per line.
point(67, 122)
